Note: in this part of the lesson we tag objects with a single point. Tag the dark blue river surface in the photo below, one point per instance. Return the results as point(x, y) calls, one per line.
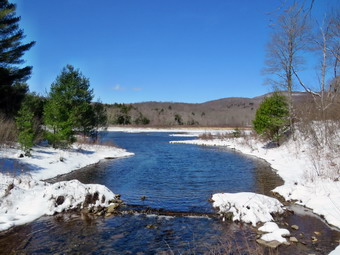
point(173, 177)
point(176, 177)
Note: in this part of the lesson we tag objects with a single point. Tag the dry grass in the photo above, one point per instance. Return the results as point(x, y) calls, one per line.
point(8, 131)
point(235, 133)
point(206, 136)
point(89, 141)
point(324, 138)
point(320, 129)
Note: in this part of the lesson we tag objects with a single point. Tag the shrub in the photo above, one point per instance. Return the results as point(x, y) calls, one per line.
point(236, 133)
point(178, 119)
point(272, 118)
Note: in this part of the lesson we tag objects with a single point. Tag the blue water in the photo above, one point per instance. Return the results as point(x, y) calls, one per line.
point(176, 177)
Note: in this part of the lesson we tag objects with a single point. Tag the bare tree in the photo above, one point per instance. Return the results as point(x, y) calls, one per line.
point(334, 47)
point(284, 51)
point(326, 42)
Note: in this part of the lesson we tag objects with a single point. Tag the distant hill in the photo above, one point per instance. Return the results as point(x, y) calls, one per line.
point(232, 111)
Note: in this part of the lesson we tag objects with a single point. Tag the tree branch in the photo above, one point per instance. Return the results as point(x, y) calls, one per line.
point(304, 86)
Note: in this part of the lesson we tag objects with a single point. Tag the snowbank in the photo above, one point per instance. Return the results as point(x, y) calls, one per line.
point(336, 251)
point(188, 131)
point(47, 162)
point(23, 199)
point(26, 198)
point(247, 206)
point(273, 232)
point(293, 164)
point(299, 165)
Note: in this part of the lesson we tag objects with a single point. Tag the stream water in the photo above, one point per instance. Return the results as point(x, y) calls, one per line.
point(175, 178)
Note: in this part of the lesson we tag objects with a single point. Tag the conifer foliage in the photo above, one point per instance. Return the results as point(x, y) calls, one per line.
point(272, 117)
point(12, 75)
point(69, 109)
point(25, 126)
point(28, 121)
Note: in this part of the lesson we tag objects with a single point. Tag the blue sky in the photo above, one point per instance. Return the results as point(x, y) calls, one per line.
point(152, 50)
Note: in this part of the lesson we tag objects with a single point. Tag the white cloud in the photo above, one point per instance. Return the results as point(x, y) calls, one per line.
point(117, 87)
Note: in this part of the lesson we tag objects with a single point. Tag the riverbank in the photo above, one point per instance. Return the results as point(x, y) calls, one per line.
point(24, 197)
point(46, 162)
point(294, 165)
point(192, 131)
point(296, 162)
point(59, 160)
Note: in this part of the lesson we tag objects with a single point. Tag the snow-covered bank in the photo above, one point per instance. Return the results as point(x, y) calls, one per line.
point(294, 165)
point(47, 162)
point(301, 168)
point(253, 208)
point(23, 199)
point(188, 131)
point(247, 206)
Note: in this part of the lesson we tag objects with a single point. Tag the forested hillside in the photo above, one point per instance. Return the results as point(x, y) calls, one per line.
point(233, 112)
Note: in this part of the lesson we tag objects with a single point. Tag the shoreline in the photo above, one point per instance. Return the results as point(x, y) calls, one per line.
point(281, 190)
point(292, 189)
point(47, 163)
point(26, 196)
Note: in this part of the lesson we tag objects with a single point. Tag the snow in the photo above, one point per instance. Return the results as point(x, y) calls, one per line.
point(247, 206)
point(188, 131)
point(273, 232)
point(184, 135)
point(23, 199)
point(308, 173)
point(293, 165)
point(269, 227)
point(336, 251)
point(47, 162)
point(31, 198)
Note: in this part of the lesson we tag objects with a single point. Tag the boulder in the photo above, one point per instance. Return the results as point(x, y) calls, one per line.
point(112, 208)
point(295, 227)
point(293, 239)
point(272, 244)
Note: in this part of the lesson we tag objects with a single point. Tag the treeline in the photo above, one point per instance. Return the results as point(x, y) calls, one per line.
point(28, 118)
point(131, 114)
point(123, 114)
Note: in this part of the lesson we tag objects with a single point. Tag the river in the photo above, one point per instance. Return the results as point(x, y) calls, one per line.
point(176, 179)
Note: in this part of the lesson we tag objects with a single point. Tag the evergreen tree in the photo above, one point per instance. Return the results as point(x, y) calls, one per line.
point(12, 77)
point(272, 117)
point(99, 118)
point(25, 126)
point(68, 108)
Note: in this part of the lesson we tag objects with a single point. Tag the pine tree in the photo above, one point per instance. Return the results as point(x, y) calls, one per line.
point(68, 108)
point(25, 125)
point(272, 117)
point(12, 76)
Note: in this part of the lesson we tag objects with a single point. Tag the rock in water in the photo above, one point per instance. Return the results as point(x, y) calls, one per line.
point(293, 239)
point(295, 227)
point(112, 208)
point(272, 244)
